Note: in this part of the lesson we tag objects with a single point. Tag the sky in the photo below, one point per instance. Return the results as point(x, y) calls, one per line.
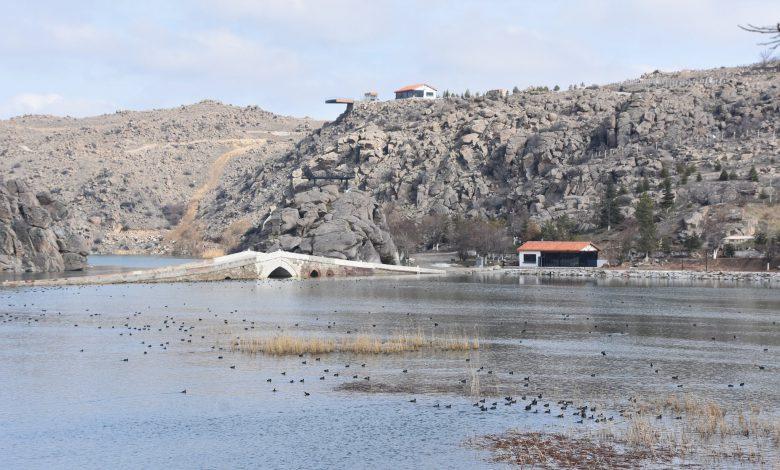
point(83, 58)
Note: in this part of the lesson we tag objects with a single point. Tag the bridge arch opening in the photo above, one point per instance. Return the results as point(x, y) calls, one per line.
point(280, 273)
point(314, 273)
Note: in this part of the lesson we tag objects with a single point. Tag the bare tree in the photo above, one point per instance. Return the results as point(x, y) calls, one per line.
point(766, 56)
point(774, 32)
point(405, 232)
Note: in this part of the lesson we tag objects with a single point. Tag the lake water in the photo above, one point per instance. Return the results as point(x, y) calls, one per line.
point(69, 400)
point(104, 264)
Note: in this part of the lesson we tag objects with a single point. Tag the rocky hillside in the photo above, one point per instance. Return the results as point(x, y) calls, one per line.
point(129, 178)
point(539, 155)
point(35, 232)
point(322, 221)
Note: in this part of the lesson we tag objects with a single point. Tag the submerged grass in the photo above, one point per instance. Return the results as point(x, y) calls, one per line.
point(675, 430)
point(286, 344)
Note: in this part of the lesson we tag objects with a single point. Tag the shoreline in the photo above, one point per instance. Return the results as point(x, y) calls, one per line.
point(763, 277)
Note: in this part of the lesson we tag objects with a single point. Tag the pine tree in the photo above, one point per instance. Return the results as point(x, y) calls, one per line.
point(753, 175)
point(698, 176)
point(515, 90)
point(645, 218)
point(609, 212)
point(668, 200)
point(724, 175)
point(643, 186)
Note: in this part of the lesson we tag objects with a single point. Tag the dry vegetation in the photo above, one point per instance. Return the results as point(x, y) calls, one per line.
point(558, 451)
point(680, 429)
point(691, 426)
point(286, 344)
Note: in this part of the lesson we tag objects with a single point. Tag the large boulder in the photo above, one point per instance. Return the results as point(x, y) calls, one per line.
point(348, 225)
point(35, 235)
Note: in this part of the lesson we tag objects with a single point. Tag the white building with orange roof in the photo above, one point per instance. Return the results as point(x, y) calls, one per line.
point(558, 254)
point(419, 90)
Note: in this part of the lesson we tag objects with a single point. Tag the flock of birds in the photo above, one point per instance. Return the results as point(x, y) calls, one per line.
point(208, 330)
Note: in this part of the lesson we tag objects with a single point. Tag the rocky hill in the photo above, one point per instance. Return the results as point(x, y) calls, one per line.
point(208, 177)
point(35, 232)
point(130, 178)
point(538, 155)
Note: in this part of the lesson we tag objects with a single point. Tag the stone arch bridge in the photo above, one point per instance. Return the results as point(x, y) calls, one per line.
point(244, 265)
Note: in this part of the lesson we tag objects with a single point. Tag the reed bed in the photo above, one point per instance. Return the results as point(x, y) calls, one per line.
point(675, 430)
point(286, 344)
point(688, 425)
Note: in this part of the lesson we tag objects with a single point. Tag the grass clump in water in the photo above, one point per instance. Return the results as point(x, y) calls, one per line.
point(286, 344)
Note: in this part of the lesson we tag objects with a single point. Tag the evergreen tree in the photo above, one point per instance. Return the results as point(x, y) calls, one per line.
point(753, 175)
point(515, 90)
point(698, 176)
point(717, 166)
point(692, 243)
point(668, 199)
point(467, 94)
point(664, 173)
point(556, 88)
point(643, 186)
point(724, 175)
point(609, 212)
point(645, 217)
point(733, 175)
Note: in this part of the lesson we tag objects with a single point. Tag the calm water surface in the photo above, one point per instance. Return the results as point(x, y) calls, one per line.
point(64, 408)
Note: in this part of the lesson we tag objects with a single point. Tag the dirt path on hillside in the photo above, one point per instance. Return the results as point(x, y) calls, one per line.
point(154, 145)
point(186, 230)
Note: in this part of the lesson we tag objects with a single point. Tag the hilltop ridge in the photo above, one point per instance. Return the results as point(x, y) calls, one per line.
point(540, 155)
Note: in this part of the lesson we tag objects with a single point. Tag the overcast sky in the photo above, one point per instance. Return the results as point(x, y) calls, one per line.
point(92, 57)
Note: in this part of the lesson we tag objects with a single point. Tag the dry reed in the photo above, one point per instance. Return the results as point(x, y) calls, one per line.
point(286, 344)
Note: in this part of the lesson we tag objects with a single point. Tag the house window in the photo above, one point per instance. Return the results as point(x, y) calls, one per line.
point(428, 93)
point(529, 258)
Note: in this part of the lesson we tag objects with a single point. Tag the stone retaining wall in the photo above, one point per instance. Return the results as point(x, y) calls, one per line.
point(772, 278)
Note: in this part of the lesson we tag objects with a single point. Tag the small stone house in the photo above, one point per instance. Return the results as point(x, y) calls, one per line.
point(419, 90)
point(558, 254)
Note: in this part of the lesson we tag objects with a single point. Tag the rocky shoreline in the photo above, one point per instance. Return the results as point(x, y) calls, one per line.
point(768, 278)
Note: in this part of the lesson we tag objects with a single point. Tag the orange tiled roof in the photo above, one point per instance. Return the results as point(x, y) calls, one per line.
point(413, 87)
point(566, 247)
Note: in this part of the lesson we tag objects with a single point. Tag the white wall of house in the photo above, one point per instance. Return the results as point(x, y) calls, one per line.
point(427, 93)
point(524, 259)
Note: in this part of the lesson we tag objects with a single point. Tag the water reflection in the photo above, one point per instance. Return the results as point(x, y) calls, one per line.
point(60, 406)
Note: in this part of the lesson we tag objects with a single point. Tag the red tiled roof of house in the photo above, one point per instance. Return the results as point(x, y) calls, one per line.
point(566, 247)
point(413, 87)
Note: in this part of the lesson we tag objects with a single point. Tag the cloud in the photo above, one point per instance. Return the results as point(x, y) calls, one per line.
point(52, 103)
point(213, 53)
point(336, 21)
point(289, 55)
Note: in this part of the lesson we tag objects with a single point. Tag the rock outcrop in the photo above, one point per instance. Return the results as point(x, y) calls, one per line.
point(541, 154)
point(131, 174)
point(35, 235)
point(323, 221)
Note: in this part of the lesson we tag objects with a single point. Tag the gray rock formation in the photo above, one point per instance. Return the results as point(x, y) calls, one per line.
point(34, 232)
point(325, 222)
point(128, 175)
point(542, 154)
